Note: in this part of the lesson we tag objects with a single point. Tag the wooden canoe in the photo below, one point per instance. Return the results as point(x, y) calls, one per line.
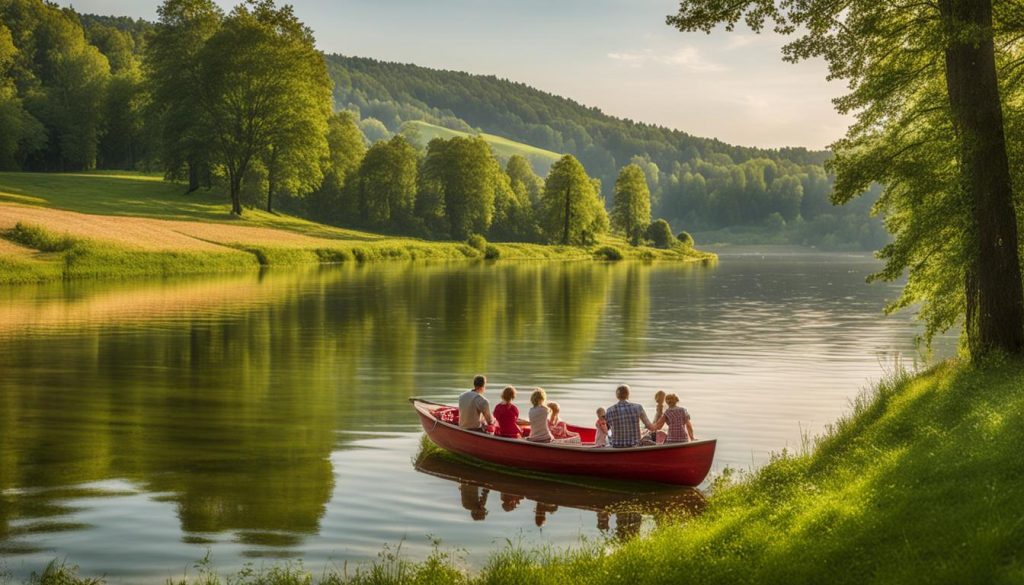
point(675, 463)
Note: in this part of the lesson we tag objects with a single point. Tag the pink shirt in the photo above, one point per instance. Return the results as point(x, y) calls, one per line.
point(507, 415)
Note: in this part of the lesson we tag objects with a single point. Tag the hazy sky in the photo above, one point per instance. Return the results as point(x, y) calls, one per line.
point(617, 55)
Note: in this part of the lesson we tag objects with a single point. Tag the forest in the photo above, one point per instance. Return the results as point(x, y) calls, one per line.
point(82, 92)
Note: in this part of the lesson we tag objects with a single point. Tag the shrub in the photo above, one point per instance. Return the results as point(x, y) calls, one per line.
point(660, 233)
point(685, 239)
point(37, 237)
point(491, 252)
point(608, 253)
point(478, 242)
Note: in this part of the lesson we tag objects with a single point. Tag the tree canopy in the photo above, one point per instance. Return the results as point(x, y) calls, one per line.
point(925, 83)
point(631, 207)
point(572, 212)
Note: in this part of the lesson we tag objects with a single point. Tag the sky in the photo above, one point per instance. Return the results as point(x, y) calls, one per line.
point(618, 55)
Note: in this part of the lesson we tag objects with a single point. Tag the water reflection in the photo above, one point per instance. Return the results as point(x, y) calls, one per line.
point(224, 397)
point(159, 419)
point(628, 504)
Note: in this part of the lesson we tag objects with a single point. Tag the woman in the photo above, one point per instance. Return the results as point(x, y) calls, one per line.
point(538, 416)
point(680, 429)
point(507, 415)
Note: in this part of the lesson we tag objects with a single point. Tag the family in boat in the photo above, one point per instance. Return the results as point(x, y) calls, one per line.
point(623, 424)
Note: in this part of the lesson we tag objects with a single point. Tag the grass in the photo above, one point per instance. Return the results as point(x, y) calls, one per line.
point(922, 482)
point(65, 226)
point(504, 148)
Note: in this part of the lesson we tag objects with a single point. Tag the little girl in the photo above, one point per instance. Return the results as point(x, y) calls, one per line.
point(557, 428)
point(601, 438)
point(506, 415)
point(680, 429)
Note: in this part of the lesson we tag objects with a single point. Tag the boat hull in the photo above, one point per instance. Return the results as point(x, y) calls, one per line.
point(684, 464)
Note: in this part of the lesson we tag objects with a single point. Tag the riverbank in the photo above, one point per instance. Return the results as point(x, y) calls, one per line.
point(70, 226)
point(921, 483)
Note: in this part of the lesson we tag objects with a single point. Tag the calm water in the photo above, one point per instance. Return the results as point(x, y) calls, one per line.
point(265, 417)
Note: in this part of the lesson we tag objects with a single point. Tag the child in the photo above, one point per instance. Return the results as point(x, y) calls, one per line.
point(506, 415)
point(659, 398)
point(601, 438)
point(557, 428)
point(539, 417)
point(680, 429)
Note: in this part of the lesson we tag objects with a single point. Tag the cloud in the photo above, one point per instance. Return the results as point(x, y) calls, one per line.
point(685, 57)
point(739, 40)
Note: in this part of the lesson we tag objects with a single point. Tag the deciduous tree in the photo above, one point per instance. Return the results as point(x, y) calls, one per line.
point(631, 207)
point(264, 87)
point(925, 88)
point(572, 212)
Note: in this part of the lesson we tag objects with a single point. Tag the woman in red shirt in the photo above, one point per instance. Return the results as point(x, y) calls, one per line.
point(507, 415)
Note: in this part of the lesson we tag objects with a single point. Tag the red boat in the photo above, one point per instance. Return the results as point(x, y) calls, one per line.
point(677, 463)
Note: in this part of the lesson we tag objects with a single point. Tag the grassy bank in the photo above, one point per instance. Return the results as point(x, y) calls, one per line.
point(69, 226)
point(922, 483)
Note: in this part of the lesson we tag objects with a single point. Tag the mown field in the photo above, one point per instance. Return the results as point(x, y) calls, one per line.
point(56, 226)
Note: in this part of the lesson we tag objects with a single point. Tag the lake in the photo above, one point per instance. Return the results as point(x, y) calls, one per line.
point(264, 417)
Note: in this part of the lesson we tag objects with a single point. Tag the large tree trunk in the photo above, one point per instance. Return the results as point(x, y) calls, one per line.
point(270, 195)
point(193, 177)
point(977, 115)
point(235, 179)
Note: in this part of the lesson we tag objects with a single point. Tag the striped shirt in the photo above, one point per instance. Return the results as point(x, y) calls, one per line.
point(624, 423)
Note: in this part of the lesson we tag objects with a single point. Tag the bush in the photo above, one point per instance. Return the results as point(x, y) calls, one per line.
point(477, 242)
point(685, 239)
point(608, 253)
point(33, 236)
point(491, 252)
point(660, 234)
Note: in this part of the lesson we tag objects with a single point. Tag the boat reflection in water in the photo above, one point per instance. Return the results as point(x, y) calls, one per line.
point(627, 503)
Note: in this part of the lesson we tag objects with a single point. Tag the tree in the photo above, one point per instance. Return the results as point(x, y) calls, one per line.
point(22, 133)
point(176, 81)
point(513, 212)
point(523, 180)
point(385, 185)
point(924, 81)
point(572, 212)
point(465, 171)
point(264, 89)
point(347, 148)
point(631, 207)
point(660, 234)
point(374, 130)
point(62, 81)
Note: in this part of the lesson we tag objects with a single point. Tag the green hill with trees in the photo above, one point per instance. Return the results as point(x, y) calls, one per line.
point(729, 193)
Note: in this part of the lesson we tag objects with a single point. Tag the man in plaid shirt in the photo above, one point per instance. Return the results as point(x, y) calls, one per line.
point(624, 420)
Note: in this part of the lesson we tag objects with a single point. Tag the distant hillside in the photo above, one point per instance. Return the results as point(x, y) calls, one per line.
point(728, 193)
point(424, 132)
point(394, 93)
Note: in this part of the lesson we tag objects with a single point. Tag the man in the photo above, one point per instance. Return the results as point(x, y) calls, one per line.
point(474, 410)
point(624, 420)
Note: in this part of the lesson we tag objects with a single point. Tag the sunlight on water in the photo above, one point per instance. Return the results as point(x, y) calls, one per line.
point(265, 416)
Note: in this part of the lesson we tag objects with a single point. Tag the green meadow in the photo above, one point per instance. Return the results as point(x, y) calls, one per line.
point(503, 147)
point(204, 237)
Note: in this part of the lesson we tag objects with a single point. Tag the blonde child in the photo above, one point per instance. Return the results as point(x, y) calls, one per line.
point(556, 427)
point(680, 429)
point(538, 416)
point(601, 437)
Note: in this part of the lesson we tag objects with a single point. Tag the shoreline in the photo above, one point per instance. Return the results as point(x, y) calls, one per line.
point(33, 254)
